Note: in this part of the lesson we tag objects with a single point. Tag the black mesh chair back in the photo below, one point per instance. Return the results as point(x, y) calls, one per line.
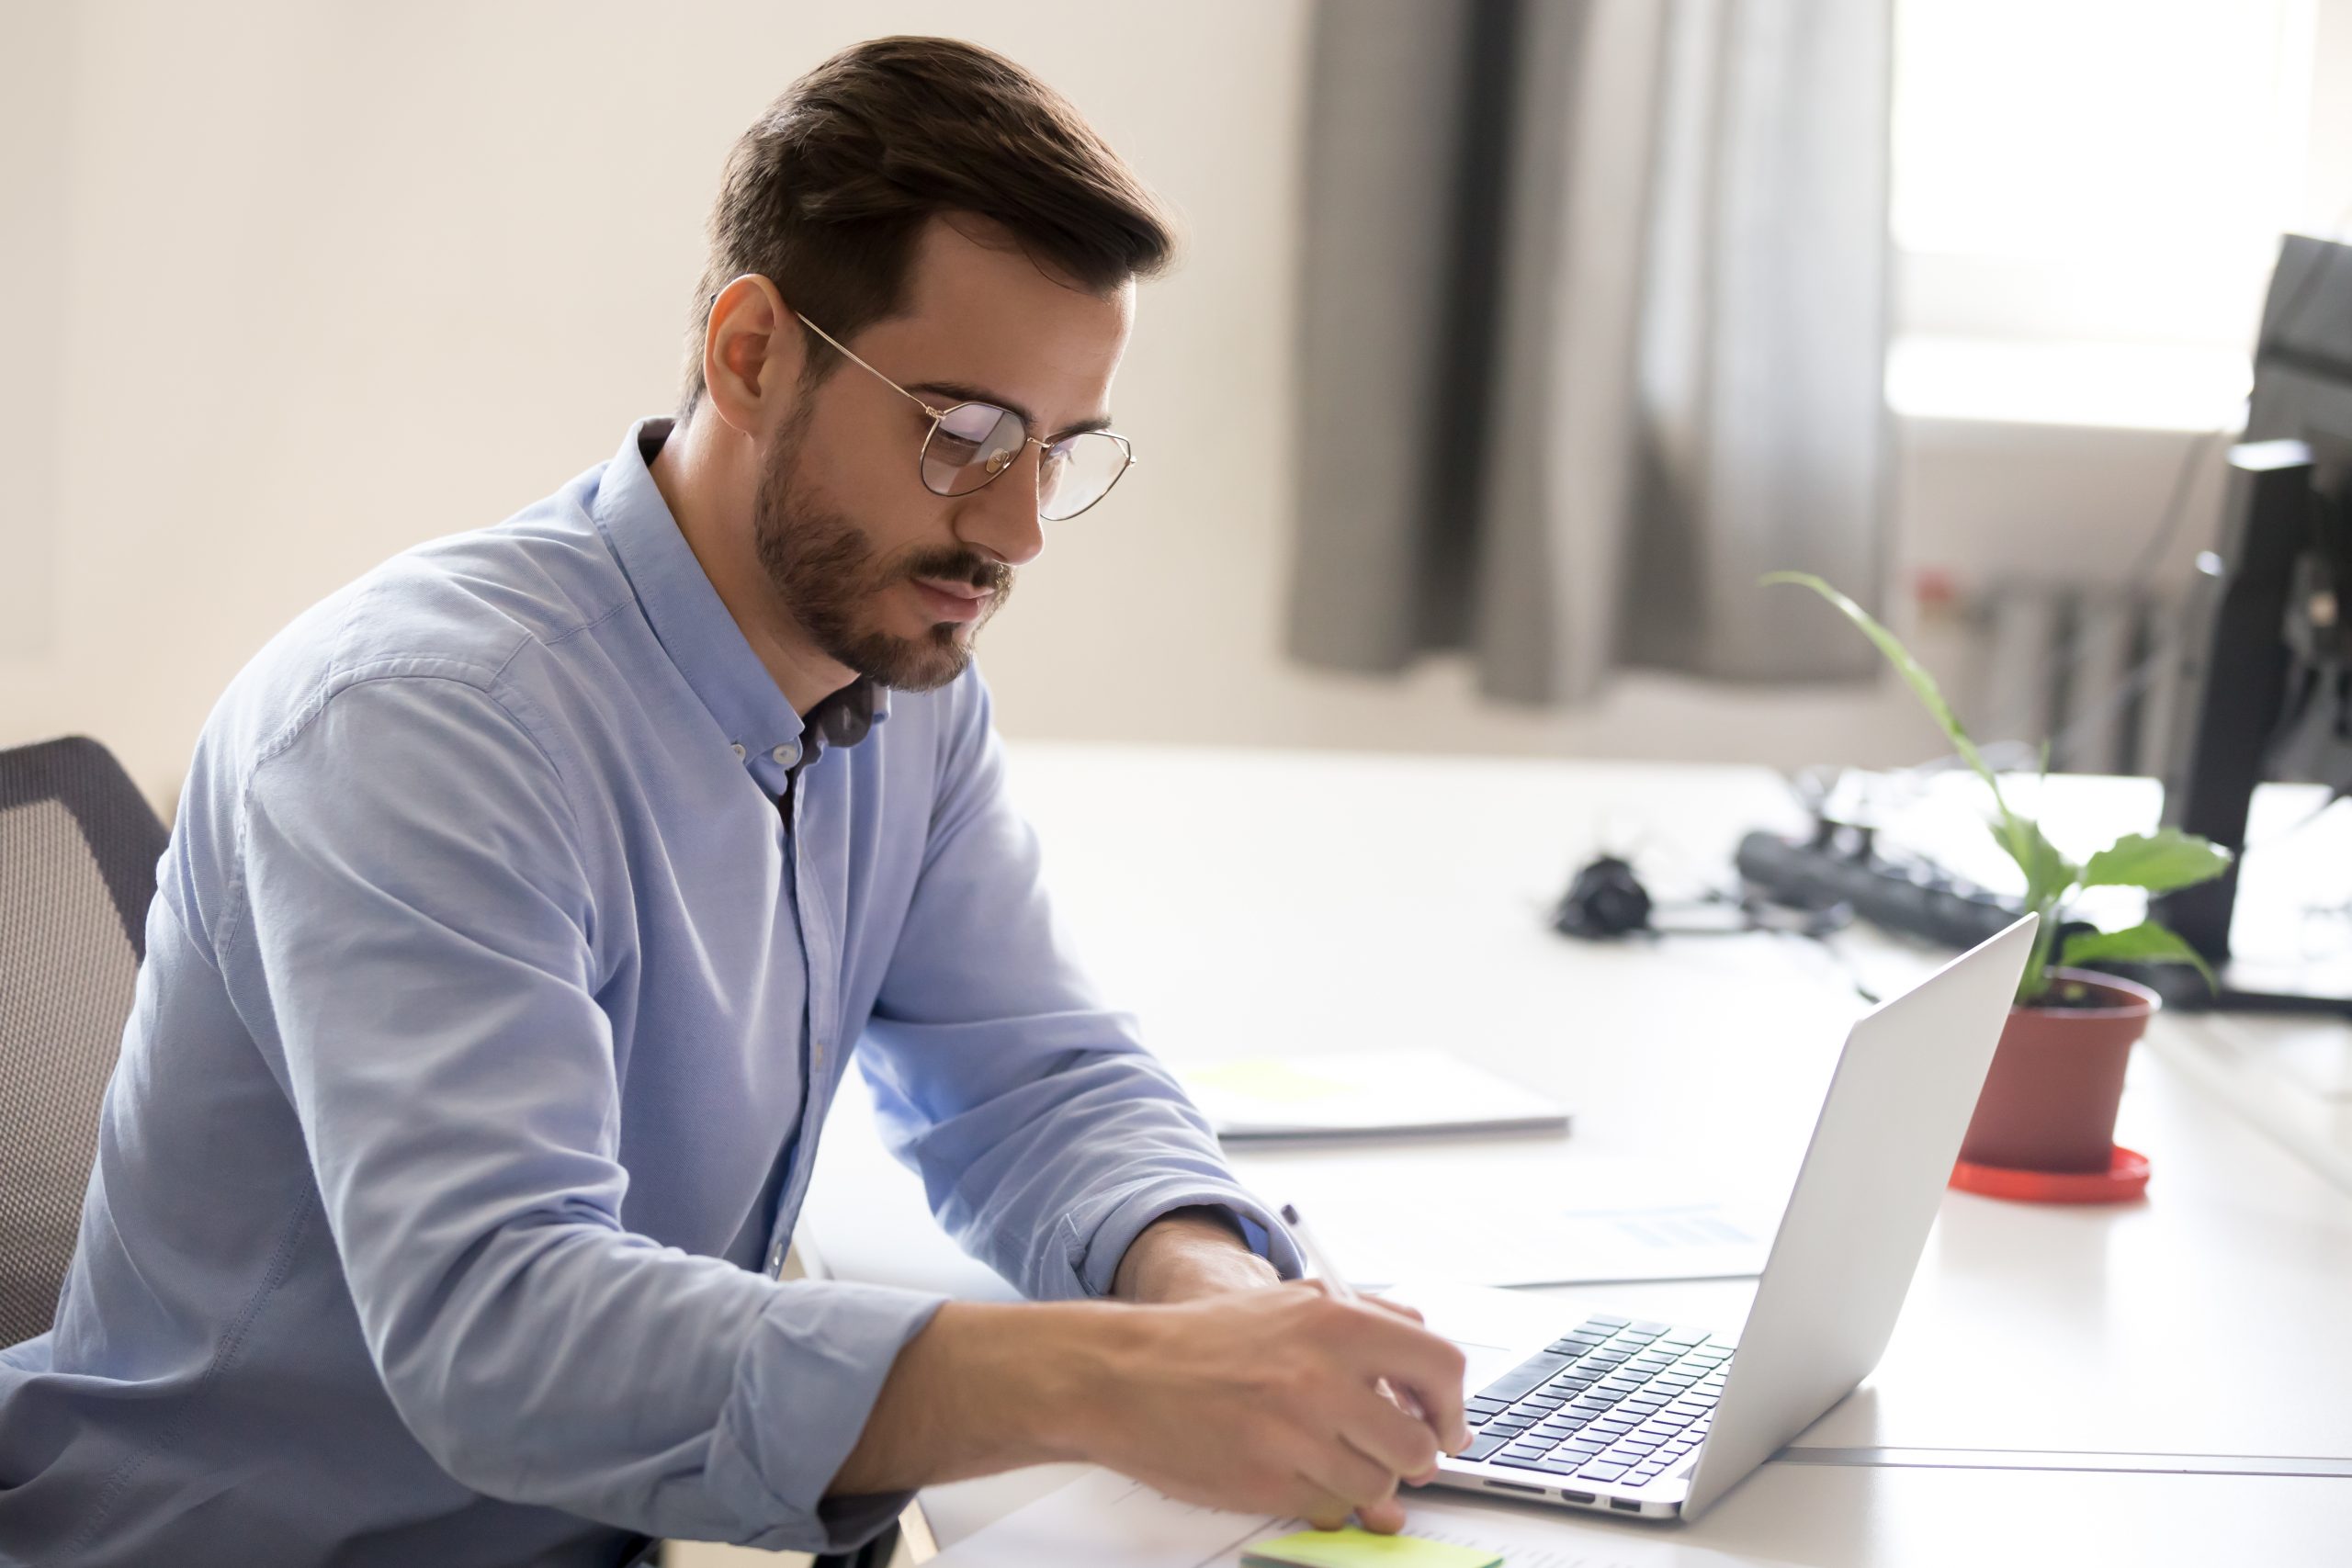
point(78, 847)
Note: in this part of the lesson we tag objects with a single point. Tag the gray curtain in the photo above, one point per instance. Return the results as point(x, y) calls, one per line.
point(1593, 303)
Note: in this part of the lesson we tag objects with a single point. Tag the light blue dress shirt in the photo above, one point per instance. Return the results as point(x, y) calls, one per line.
point(491, 1011)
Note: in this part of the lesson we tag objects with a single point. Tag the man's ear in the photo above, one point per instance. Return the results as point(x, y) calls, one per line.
point(751, 354)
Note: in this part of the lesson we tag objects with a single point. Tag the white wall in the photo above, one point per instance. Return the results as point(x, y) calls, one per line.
point(291, 286)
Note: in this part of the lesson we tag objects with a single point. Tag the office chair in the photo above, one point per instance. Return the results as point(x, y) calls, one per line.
point(78, 847)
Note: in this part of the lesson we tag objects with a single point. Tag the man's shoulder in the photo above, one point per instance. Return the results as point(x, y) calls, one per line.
point(464, 608)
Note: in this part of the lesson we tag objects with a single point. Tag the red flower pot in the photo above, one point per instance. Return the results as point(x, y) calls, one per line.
point(2049, 1102)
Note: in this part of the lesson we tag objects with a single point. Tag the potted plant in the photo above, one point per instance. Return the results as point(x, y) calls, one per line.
point(2049, 1102)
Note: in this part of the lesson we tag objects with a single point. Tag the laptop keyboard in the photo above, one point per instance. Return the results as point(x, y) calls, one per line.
point(1614, 1401)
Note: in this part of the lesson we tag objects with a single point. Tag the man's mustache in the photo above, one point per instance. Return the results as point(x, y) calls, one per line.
point(993, 576)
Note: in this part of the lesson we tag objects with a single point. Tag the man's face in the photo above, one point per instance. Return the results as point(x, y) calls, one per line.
point(882, 576)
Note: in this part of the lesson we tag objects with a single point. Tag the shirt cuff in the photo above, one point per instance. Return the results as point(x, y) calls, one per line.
point(1098, 1238)
point(807, 1381)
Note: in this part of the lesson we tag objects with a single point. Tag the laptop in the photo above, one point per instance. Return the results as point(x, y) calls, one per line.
point(1657, 1420)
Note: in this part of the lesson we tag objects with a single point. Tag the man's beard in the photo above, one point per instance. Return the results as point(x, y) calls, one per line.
point(829, 578)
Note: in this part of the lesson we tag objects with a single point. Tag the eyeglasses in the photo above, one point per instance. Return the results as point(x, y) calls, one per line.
point(971, 444)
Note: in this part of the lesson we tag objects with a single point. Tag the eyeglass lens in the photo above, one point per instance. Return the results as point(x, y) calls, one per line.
point(973, 442)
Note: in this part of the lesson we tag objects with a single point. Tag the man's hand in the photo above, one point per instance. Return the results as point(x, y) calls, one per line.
point(1272, 1401)
point(1189, 1254)
point(1266, 1400)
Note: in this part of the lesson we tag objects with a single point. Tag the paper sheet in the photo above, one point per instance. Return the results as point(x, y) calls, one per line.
point(1523, 1216)
point(1359, 1093)
point(1107, 1521)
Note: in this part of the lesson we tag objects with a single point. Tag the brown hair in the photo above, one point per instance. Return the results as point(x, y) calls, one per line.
point(827, 191)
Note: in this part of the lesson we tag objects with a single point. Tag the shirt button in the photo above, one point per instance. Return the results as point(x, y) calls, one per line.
point(787, 753)
point(738, 749)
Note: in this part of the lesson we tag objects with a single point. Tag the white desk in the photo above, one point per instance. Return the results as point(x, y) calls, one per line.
point(1251, 902)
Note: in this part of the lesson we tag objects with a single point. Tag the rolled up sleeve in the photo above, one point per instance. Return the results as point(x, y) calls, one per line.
point(1047, 1137)
point(415, 893)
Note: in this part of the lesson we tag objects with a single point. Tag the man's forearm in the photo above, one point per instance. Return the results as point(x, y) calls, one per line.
point(985, 1387)
point(1268, 1401)
point(1189, 1254)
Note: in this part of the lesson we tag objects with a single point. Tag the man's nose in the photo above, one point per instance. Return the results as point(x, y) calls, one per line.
point(1000, 517)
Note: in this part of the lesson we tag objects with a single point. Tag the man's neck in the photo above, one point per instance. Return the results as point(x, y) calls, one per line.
point(709, 475)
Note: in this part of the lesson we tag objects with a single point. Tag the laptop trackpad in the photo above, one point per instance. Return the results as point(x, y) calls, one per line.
point(1486, 1362)
point(1495, 1329)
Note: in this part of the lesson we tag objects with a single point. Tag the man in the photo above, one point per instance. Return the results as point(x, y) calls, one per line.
point(528, 895)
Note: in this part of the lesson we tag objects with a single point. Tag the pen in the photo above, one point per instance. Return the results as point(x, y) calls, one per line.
point(1335, 1280)
point(1337, 1283)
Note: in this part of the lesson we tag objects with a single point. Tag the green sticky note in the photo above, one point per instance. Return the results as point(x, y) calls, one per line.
point(1266, 1079)
point(1353, 1548)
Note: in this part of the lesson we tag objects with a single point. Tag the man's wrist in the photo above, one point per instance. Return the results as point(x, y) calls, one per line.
point(1189, 1253)
point(988, 1386)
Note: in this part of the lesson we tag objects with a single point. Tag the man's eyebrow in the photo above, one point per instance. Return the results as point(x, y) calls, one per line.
point(963, 393)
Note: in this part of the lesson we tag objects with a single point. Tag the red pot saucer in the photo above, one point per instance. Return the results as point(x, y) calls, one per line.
point(2125, 1178)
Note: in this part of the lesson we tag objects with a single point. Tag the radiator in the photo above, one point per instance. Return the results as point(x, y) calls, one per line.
point(2092, 668)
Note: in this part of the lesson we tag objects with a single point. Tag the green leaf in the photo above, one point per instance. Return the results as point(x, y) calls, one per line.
point(2048, 873)
point(2147, 943)
point(1923, 685)
point(2158, 862)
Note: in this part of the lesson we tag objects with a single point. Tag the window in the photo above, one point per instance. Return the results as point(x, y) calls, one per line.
point(2087, 199)
point(2104, 169)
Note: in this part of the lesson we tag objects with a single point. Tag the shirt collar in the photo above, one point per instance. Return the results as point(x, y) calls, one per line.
point(695, 630)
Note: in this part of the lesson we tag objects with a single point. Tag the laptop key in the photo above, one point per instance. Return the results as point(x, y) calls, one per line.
point(1524, 1377)
point(1602, 1472)
point(1521, 1461)
point(1483, 1445)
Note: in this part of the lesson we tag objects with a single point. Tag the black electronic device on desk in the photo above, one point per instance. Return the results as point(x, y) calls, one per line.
point(1840, 864)
point(2267, 674)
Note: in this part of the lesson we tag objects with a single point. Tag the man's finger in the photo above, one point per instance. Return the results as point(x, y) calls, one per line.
point(1399, 1443)
point(1319, 1507)
point(1382, 1519)
point(1410, 1313)
point(1347, 1475)
point(1422, 1366)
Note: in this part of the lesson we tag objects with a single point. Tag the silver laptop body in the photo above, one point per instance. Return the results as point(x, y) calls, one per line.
point(1849, 1243)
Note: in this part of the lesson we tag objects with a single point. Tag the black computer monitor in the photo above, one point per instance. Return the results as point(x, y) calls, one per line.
point(2267, 678)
